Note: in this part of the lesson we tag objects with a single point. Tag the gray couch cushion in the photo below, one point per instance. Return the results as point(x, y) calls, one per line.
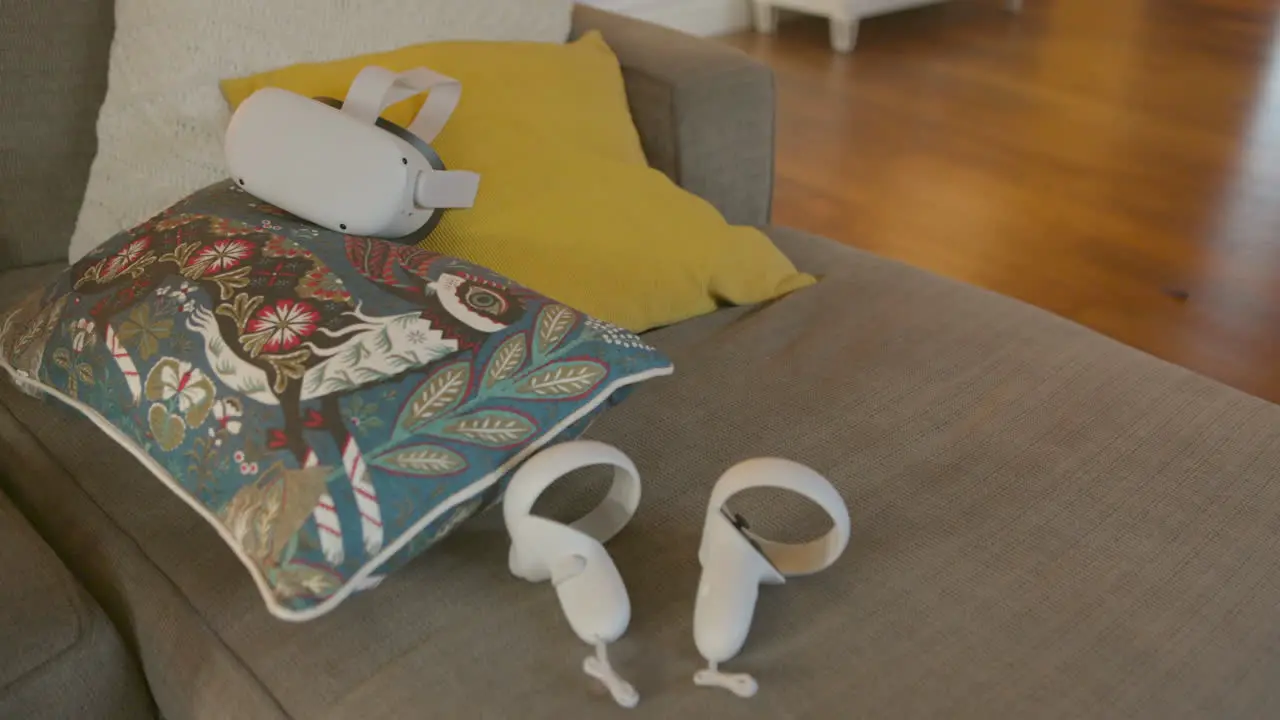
point(59, 655)
point(1046, 524)
point(38, 613)
point(53, 68)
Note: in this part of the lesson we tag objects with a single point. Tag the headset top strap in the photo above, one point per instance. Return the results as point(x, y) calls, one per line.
point(377, 88)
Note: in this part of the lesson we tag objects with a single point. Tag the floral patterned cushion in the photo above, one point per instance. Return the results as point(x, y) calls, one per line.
point(331, 404)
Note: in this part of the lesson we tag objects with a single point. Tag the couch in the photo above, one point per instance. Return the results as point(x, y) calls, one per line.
point(1046, 523)
point(60, 656)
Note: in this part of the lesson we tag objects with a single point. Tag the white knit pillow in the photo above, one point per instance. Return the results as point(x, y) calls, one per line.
point(161, 126)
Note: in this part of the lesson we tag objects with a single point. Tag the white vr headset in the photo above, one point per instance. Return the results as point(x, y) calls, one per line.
point(339, 165)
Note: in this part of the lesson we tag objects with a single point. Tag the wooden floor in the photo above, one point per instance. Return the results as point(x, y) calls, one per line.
point(1113, 161)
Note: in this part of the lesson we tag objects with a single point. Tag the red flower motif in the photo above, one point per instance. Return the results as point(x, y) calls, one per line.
point(221, 255)
point(283, 325)
point(127, 256)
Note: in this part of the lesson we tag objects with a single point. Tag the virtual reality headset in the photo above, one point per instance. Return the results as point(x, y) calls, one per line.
point(339, 165)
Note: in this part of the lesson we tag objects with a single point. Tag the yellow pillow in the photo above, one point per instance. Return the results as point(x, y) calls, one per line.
point(567, 204)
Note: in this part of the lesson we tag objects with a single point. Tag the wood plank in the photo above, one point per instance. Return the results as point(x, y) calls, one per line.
point(1114, 161)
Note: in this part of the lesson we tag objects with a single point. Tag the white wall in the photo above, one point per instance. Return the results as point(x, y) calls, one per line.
point(698, 17)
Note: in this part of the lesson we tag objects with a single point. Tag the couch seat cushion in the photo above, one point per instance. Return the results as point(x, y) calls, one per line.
point(1045, 524)
point(59, 655)
point(38, 610)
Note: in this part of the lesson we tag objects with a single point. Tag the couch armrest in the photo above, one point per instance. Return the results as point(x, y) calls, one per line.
point(705, 111)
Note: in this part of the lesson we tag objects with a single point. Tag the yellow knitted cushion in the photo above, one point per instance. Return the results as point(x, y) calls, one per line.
point(567, 205)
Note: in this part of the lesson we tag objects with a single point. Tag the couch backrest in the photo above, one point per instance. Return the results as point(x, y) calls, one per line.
point(53, 76)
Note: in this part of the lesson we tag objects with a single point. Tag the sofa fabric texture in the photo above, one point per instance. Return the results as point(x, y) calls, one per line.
point(53, 68)
point(60, 656)
point(1044, 522)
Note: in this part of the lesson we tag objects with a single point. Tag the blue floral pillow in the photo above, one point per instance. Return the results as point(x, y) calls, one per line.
point(331, 404)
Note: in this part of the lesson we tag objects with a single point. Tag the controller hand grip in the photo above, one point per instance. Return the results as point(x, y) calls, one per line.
point(724, 608)
point(732, 570)
point(595, 599)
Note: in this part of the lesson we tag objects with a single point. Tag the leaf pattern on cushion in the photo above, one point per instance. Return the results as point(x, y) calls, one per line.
point(265, 515)
point(167, 428)
point(301, 580)
point(554, 323)
point(177, 381)
point(436, 394)
point(78, 372)
point(564, 380)
point(506, 360)
point(421, 459)
point(494, 428)
point(240, 309)
point(144, 331)
point(35, 322)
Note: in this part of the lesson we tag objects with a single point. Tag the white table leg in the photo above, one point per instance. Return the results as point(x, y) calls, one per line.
point(766, 17)
point(844, 34)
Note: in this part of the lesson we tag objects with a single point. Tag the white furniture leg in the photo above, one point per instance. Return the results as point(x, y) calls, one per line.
point(766, 17)
point(843, 16)
point(844, 34)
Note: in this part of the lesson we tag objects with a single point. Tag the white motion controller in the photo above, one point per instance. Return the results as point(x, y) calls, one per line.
point(573, 557)
point(339, 165)
point(735, 561)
